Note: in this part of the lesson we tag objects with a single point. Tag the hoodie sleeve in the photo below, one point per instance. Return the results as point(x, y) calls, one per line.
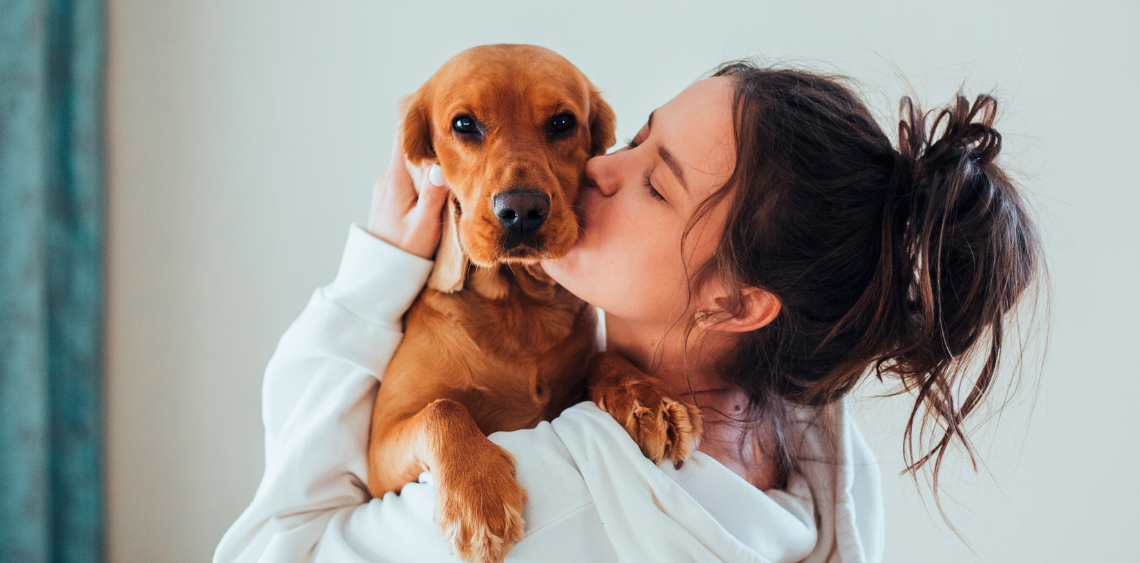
point(319, 390)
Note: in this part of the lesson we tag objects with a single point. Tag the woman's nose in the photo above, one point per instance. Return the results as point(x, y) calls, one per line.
point(601, 174)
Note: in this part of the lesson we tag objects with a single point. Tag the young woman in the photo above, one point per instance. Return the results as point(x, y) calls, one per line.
point(761, 246)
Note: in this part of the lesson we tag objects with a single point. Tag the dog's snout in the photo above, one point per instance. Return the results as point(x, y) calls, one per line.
point(521, 211)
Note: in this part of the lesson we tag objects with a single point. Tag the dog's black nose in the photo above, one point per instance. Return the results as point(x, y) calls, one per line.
point(521, 211)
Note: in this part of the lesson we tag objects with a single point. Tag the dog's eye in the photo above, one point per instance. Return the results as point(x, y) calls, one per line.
point(464, 124)
point(563, 122)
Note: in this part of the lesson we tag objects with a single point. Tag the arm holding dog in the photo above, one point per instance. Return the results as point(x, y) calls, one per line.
point(317, 402)
point(328, 361)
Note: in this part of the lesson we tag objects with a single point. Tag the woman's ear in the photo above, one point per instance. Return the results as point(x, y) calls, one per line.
point(416, 128)
point(758, 308)
point(602, 124)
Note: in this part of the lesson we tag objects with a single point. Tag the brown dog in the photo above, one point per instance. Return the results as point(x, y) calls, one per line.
point(493, 343)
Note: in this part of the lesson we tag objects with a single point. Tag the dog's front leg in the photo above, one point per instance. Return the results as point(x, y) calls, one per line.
point(663, 426)
point(479, 502)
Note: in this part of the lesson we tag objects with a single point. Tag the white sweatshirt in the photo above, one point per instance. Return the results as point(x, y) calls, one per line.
point(592, 495)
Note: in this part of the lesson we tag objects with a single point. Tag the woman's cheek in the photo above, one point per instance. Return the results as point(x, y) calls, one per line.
point(631, 285)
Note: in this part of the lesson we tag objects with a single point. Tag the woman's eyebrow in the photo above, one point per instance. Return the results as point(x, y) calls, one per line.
point(670, 160)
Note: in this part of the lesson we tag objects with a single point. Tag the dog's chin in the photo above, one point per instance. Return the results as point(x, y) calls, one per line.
point(522, 255)
point(511, 250)
point(532, 253)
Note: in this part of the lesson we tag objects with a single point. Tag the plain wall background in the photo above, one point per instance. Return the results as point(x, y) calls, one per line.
point(244, 137)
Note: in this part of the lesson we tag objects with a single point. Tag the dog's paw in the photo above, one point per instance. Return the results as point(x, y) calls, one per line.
point(479, 505)
point(662, 425)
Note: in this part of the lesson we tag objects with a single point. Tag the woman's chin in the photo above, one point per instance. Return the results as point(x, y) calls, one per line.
point(555, 269)
point(563, 271)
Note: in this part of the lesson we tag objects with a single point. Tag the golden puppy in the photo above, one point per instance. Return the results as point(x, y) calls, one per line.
point(492, 343)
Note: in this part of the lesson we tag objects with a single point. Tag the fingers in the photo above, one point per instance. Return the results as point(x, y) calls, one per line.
point(423, 222)
point(433, 192)
point(401, 216)
point(400, 183)
point(397, 157)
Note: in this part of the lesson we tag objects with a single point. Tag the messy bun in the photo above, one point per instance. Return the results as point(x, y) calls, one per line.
point(903, 263)
point(959, 248)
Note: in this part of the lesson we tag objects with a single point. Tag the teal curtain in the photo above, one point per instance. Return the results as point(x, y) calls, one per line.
point(52, 193)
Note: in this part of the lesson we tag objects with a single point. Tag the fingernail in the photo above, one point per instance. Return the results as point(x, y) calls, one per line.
point(435, 175)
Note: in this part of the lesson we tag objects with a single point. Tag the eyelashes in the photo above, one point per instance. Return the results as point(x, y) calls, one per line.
point(631, 143)
point(652, 191)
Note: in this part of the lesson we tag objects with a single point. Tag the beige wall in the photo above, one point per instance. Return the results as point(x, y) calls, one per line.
point(244, 137)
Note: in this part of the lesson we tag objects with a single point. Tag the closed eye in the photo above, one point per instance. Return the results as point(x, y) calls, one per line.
point(647, 182)
point(652, 190)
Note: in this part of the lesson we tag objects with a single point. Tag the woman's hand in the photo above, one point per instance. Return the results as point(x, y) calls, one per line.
point(400, 216)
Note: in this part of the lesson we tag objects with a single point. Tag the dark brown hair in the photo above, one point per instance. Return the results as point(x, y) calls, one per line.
point(902, 263)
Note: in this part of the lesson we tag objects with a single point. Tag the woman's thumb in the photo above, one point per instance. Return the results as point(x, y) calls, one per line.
point(433, 191)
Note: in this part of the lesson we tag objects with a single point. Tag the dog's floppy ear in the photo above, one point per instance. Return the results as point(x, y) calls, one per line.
point(451, 262)
point(416, 124)
point(602, 124)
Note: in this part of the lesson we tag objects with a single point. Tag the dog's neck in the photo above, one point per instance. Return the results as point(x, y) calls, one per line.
point(497, 282)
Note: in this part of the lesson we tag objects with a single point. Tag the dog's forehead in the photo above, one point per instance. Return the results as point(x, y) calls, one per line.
point(539, 99)
point(541, 82)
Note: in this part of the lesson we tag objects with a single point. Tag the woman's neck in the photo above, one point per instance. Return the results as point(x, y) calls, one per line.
point(661, 352)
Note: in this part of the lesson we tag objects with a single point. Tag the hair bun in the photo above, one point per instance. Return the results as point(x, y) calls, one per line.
point(960, 132)
point(961, 250)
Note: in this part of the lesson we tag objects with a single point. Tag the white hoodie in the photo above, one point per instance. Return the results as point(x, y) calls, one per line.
point(592, 495)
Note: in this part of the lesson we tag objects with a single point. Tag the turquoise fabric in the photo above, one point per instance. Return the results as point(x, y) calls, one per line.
point(52, 193)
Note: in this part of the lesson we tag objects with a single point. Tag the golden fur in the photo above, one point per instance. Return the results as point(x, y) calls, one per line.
point(493, 343)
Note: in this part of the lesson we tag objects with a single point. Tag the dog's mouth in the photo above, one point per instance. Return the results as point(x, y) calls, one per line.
point(516, 251)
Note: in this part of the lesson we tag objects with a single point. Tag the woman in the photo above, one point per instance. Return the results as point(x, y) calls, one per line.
point(760, 246)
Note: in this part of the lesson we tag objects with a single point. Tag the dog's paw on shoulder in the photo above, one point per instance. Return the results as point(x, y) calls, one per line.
point(663, 426)
point(479, 505)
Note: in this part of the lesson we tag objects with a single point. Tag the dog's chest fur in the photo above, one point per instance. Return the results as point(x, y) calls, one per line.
point(517, 344)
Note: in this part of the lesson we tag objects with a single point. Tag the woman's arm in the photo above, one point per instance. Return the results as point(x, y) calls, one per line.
point(316, 404)
point(319, 390)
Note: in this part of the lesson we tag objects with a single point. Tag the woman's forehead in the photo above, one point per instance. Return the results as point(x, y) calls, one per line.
point(696, 127)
